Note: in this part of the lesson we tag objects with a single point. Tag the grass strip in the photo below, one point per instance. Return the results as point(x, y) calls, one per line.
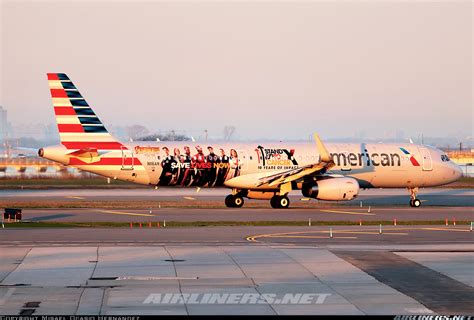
point(191, 224)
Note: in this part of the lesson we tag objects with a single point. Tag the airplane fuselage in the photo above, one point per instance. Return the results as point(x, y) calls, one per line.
point(372, 165)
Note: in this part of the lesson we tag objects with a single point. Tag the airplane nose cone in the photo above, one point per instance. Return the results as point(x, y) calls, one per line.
point(453, 172)
point(457, 172)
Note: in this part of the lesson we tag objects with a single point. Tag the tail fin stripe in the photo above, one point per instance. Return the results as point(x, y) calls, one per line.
point(89, 120)
point(58, 93)
point(67, 120)
point(85, 137)
point(70, 128)
point(84, 112)
point(94, 129)
point(73, 94)
point(62, 76)
point(52, 76)
point(64, 111)
point(61, 102)
point(54, 84)
point(79, 103)
point(68, 85)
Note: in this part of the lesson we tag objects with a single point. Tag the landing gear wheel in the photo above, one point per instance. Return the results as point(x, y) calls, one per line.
point(284, 202)
point(414, 202)
point(280, 202)
point(229, 201)
point(238, 201)
point(274, 202)
point(234, 201)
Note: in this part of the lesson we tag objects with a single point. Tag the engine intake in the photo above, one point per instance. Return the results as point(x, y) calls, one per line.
point(332, 189)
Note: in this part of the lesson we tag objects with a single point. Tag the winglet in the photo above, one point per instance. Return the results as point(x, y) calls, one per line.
point(323, 152)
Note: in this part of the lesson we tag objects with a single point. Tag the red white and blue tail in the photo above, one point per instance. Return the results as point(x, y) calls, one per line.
point(78, 125)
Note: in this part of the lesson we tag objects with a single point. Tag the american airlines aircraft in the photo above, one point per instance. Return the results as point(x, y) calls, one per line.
point(331, 172)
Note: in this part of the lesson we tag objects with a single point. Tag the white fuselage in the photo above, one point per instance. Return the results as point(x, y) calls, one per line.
point(372, 165)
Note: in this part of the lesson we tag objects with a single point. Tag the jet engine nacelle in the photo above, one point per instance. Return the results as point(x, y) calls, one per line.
point(332, 189)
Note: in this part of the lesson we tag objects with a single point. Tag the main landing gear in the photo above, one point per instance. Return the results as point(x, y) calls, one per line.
point(414, 202)
point(234, 201)
point(279, 202)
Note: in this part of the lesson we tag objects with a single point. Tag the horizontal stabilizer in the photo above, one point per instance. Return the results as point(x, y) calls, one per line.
point(87, 155)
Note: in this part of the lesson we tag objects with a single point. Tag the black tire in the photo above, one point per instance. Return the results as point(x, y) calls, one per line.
point(229, 201)
point(280, 202)
point(274, 202)
point(416, 203)
point(238, 201)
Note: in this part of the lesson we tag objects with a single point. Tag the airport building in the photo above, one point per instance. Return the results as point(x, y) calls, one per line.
point(464, 159)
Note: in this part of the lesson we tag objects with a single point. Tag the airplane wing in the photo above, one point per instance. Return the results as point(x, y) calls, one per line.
point(280, 178)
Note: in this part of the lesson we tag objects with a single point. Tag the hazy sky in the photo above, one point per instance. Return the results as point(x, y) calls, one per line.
point(271, 69)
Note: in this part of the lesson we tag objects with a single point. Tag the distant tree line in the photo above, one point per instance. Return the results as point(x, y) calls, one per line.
point(164, 137)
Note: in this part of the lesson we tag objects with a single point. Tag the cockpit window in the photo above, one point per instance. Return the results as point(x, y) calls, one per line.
point(444, 158)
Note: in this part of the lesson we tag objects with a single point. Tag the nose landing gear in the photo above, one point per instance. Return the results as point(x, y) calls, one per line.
point(414, 202)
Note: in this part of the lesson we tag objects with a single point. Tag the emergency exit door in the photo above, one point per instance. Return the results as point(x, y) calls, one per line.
point(127, 159)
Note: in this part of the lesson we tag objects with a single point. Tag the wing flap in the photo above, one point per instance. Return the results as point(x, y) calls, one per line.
point(275, 180)
point(296, 176)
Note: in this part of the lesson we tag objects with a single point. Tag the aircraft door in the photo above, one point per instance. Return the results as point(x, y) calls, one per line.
point(127, 159)
point(427, 163)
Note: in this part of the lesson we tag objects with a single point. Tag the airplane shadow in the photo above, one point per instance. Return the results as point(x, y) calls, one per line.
point(50, 217)
point(430, 199)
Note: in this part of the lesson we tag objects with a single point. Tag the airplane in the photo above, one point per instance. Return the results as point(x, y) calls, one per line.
point(266, 171)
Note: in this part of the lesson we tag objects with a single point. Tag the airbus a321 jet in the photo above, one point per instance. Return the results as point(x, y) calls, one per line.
point(331, 172)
